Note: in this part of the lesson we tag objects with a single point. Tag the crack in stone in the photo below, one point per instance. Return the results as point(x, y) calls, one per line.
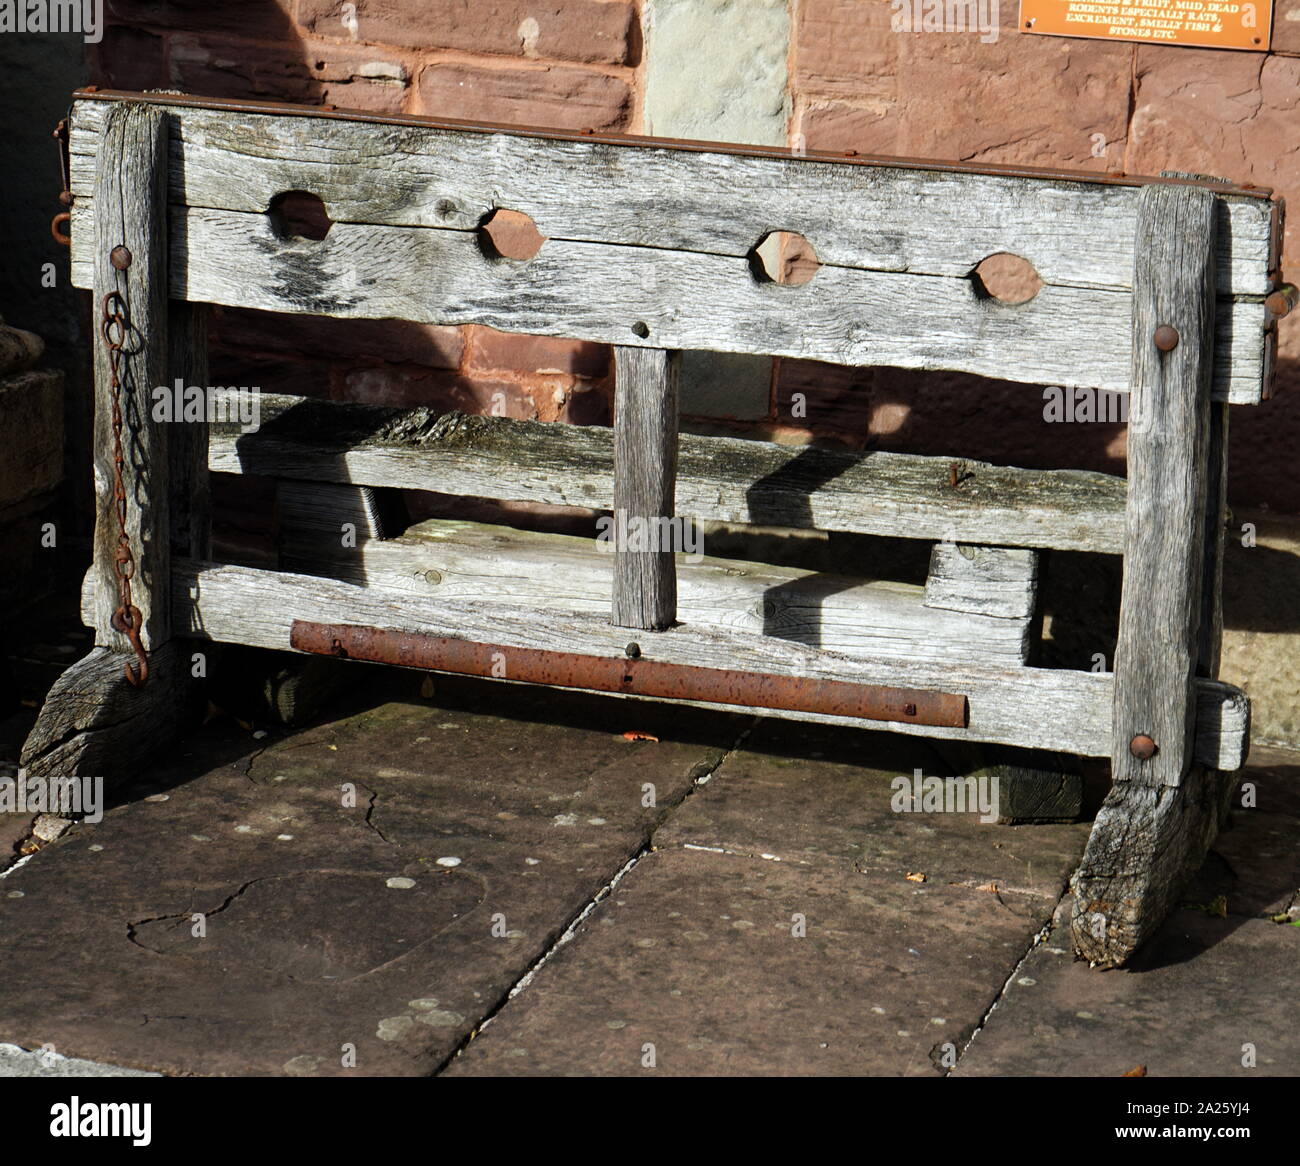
point(370, 810)
point(131, 927)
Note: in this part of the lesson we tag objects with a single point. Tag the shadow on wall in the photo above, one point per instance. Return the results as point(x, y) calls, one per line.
point(951, 414)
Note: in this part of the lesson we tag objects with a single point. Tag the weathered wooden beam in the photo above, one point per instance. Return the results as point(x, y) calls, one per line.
point(645, 479)
point(449, 560)
point(1032, 707)
point(684, 300)
point(324, 521)
point(935, 220)
point(130, 264)
point(1168, 446)
point(94, 722)
point(727, 479)
point(1164, 808)
point(1147, 841)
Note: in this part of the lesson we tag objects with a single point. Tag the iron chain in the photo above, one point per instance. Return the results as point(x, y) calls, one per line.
point(126, 619)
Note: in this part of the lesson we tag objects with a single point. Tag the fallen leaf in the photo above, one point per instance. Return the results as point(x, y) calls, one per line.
point(634, 735)
point(916, 877)
point(1136, 1071)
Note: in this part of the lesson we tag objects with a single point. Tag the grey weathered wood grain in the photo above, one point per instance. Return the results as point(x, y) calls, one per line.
point(687, 300)
point(1147, 841)
point(1033, 707)
point(190, 495)
point(1160, 817)
point(645, 479)
point(997, 581)
point(1168, 445)
point(727, 479)
point(94, 722)
point(130, 211)
point(879, 217)
point(451, 560)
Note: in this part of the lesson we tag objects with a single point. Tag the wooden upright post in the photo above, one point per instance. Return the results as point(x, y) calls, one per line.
point(95, 721)
point(1162, 810)
point(645, 479)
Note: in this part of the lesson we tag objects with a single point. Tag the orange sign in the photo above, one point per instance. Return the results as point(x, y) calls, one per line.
point(1214, 24)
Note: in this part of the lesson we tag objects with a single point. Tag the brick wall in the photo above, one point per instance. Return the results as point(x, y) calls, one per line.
point(854, 83)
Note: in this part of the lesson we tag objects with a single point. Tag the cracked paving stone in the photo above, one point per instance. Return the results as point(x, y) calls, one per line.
point(696, 954)
point(257, 923)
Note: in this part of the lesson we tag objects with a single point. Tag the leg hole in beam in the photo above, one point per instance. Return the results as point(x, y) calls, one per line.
point(1007, 278)
point(299, 214)
point(508, 234)
point(784, 257)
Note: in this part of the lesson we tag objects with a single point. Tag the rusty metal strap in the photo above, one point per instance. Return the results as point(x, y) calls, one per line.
point(632, 676)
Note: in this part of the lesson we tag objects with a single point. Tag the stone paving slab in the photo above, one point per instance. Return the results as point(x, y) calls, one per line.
point(694, 953)
point(1199, 993)
point(815, 794)
point(326, 924)
point(1219, 975)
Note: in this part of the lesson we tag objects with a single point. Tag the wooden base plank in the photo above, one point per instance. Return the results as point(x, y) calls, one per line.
point(450, 560)
point(1031, 707)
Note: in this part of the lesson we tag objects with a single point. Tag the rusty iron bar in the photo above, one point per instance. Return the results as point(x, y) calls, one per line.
point(288, 109)
point(632, 675)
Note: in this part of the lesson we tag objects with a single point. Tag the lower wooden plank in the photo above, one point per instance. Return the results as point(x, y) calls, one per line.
point(451, 560)
point(582, 290)
point(1060, 710)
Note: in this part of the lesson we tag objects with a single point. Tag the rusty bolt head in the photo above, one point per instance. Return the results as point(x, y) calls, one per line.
point(1166, 338)
point(1281, 302)
point(1142, 747)
point(120, 257)
point(909, 710)
point(633, 651)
